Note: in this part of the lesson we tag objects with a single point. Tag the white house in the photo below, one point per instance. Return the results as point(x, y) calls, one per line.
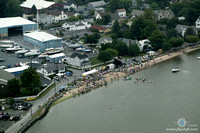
point(198, 24)
point(78, 25)
point(183, 28)
point(69, 4)
point(121, 12)
point(58, 15)
point(51, 69)
point(44, 19)
point(104, 40)
point(142, 43)
point(79, 60)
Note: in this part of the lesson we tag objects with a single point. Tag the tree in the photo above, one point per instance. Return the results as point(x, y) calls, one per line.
point(148, 14)
point(106, 18)
point(113, 52)
point(92, 13)
point(106, 46)
point(172, 33)
point(191, 39)
point(34, 9)
point(72, 18)
point(116, 28)
point(176, 42)
point(80, 17)
point(104, 56)
point(156, 39)
point(13, 87)
point(121, 48)
point(166, 46)
point(189, 31)
point(154, 6)
point(133, 50)
point(113, 5)
point(30, 79)
point(10, 8)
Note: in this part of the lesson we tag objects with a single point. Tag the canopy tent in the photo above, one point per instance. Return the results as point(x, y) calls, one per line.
point(60, 74)
point(63, 87)
point(68, 72)
point(89, 72)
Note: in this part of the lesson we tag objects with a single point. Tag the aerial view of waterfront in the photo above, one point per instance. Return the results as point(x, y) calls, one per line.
point(126, 107)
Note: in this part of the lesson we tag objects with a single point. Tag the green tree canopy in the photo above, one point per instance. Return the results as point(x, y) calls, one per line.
point(13, 87)
point(133, 50)
point(121, 48)
point(189, 31)
point(72, 18)
point(34, 9)
point(113, 5)
point(10, 8)
point(104, 56)
point(156, 39)
point(30, 79)
point(176, 42)
point(106, 18)
point(166, 46)
point(113, 52)
point(172, 33)
point(191, 39)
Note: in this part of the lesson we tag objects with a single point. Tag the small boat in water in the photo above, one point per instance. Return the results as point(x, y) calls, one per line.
point(33, 52)
point(198, 58)
point(1, 60)
point(7, 42)
point(50, 51)
point(176, 69)
point(14, 49)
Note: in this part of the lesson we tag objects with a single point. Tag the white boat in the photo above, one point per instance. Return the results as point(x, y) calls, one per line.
point(14, 49)
point(6, 45)
point(176, 69)
point(87, 50)
point(80, 49)
point(7, 41)
point(198, 58)
point(22, 51)
point(43, 55)
point(33, 52)
point(50, 51)
point(74, 45)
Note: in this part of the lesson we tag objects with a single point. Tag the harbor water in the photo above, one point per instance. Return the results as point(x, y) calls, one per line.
point(128, 107)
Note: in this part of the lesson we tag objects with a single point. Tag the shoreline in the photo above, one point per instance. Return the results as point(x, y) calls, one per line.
point(109, 78)
point(117, 75)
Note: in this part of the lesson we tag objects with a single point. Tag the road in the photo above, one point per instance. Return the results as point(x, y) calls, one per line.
point(41, 101)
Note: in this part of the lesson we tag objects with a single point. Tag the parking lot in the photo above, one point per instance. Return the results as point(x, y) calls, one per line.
point(11, 114)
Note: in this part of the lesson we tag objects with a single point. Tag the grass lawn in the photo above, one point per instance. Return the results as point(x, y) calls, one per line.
point(94, 60)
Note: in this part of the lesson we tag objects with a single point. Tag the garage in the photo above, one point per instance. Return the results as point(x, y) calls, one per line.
point(15, 31)
point(15, 26)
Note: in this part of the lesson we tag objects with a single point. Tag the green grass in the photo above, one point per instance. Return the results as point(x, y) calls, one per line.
point(45, 92)
point(94, 61)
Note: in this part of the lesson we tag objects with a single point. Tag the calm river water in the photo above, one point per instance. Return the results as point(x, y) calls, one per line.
point(128, 107)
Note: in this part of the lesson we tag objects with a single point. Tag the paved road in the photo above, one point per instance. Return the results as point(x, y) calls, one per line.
point(41, 101)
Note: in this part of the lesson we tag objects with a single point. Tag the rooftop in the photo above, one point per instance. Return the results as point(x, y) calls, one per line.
point(80, 56)
point(121, 10)
point(39, 4)
point(42, 36)
point(5, 76)
point(14, 21)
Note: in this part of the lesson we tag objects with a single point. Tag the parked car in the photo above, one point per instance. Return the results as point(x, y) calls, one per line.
point(30, 98)
point(16, 118)
point(20, 107)
point(11, 118)
point(3, 108)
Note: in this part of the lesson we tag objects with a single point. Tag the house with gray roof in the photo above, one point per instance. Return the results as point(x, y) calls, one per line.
point(4, 77)
point(129, 41)
point(70, 4)
point(58, 15)
point(136, 13)
point(164, 14)
point(79, 60)
point(80, 9)
point(51, 69)
point(96, 4)
point(183, 28)
point(104, 40)
point(44, 19)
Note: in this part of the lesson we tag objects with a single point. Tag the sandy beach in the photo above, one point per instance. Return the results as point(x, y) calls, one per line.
point(109, 77)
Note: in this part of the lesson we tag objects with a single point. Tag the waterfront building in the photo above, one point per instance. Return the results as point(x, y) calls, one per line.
point(43, 40)
point(15, 26)
point(56, 58)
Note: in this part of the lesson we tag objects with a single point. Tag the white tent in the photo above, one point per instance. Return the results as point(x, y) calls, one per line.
point(89, 72)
